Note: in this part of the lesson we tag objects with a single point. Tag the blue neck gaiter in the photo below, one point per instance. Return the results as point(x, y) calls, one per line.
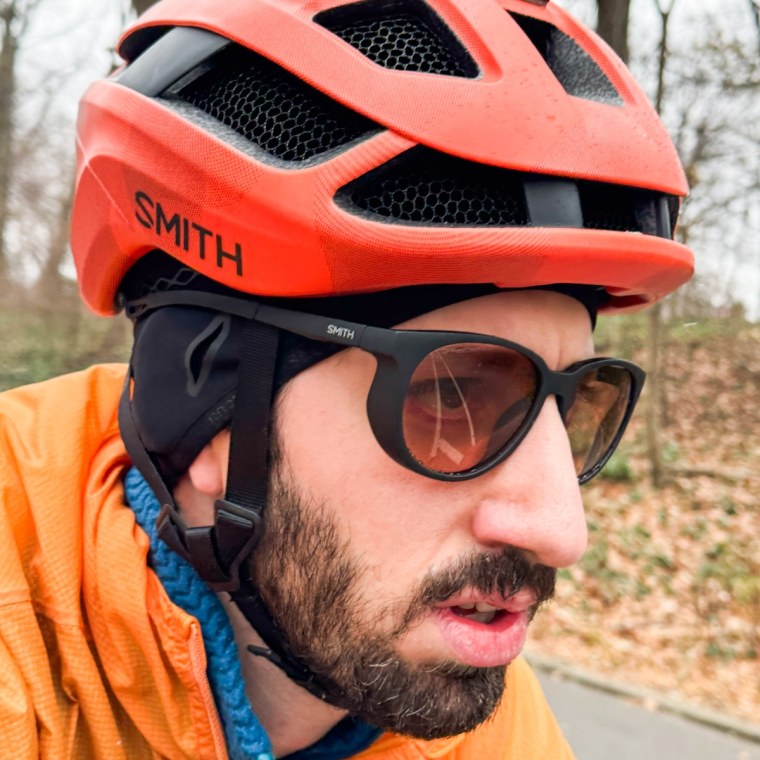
point(246, 738)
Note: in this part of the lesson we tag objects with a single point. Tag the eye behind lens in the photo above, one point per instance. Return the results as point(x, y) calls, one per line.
point(464, 404)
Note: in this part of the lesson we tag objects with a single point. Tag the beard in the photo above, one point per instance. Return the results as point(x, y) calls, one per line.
point(305, 572)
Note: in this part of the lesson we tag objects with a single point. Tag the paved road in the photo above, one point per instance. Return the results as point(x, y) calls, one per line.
point(600, 726)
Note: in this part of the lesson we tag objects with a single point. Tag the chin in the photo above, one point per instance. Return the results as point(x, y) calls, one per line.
point(423, 701)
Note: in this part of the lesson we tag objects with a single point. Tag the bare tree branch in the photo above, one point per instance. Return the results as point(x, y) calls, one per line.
point(612, 25)
point(754, 6)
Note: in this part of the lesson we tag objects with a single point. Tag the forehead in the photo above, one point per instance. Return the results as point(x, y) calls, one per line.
point(553, 325)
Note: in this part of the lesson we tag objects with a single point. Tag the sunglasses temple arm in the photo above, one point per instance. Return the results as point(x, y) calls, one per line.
point(326, 329)
point(311, 326)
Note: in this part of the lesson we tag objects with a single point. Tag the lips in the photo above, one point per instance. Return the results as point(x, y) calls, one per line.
point(484, 631)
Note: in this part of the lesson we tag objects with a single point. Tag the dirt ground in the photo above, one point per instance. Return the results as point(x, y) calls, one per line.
point(668, 593)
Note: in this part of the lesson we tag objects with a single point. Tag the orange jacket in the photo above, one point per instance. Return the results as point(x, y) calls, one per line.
point(95, 660)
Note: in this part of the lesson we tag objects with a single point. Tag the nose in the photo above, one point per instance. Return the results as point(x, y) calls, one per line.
point(532, 500)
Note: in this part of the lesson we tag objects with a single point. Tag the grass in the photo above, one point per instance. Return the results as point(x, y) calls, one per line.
point(38, 345)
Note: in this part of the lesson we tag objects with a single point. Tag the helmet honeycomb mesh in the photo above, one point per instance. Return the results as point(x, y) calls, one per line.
point(406, 36)
point(424, 186)
point(272, 108)
point(575, 70)
point(427, 187)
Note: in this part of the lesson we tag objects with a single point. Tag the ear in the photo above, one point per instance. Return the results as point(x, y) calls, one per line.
point(208, 472)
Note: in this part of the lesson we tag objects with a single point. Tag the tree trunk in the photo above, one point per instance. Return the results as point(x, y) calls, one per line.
point(8, 51)
point(655, 369)
point(612, 24)
point(141, 6)
point(50, 285)
point(663, 55)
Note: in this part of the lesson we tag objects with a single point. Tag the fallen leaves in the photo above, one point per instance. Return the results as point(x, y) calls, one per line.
point(668, 594)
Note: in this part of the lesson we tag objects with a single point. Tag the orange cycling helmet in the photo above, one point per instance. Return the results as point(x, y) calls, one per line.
point(312, 148)
point(298, 148)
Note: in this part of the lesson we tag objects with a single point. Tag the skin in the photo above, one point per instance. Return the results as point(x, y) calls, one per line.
point(530, 502)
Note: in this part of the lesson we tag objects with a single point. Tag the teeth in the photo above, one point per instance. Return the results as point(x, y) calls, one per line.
point(482, 617)
point(480, 612)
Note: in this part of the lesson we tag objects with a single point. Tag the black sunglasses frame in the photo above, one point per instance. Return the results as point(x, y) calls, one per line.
point(398, 354)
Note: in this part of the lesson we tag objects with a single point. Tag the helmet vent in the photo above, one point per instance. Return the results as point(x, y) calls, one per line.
point(576, 71)
point(405, 35)
point(426, 187)
point(604, 207)
point(423, 186)
point(271, 107)
point(629, 209)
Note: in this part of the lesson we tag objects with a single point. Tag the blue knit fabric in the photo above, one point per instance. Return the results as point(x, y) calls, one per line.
point(246, 738)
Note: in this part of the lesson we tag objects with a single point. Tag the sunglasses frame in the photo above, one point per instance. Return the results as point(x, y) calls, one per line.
point(398, 354)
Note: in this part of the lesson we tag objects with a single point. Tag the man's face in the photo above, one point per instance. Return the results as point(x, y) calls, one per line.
point(408, 595)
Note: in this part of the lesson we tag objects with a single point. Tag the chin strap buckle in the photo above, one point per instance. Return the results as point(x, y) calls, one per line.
point(215, 551)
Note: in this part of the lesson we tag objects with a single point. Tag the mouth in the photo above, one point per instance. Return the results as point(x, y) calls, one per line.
point(485, 631)
point(478, 612)
point(486, 609)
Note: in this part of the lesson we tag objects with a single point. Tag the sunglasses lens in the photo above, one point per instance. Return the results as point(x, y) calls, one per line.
point(596, 414)
point(465, 402)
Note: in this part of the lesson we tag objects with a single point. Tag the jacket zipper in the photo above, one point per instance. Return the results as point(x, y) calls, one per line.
point(197, 663)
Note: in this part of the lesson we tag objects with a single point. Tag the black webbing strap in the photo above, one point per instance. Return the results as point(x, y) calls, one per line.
point(135, 448)
point(248, 474)
point(249, 602)
point(198, 546)
point(218, 551)
point(170, 526)
point(247, 488)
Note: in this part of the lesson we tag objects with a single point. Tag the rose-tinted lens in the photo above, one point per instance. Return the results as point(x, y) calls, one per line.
point(596, 414)
point(464, 403)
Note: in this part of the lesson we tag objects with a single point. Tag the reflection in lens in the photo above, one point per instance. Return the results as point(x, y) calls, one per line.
point(464, 402)
point(595, 416)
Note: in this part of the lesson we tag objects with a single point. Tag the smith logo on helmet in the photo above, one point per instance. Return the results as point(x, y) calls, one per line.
point(185, 233)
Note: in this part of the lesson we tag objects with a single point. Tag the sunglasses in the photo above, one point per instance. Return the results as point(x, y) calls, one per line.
point(453, 405)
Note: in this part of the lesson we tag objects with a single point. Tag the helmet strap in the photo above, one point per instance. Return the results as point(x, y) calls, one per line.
point(218, 551)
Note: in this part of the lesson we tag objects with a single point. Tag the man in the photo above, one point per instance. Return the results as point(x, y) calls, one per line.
point(363, 247)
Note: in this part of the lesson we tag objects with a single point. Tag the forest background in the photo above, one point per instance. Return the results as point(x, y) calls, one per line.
point(668, 594)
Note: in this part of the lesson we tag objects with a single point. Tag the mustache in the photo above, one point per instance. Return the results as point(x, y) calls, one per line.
point(505, 573)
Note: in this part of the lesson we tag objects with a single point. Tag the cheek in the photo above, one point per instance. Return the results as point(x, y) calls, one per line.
point(327, 444)
point(322, 423)
point(395, 520)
